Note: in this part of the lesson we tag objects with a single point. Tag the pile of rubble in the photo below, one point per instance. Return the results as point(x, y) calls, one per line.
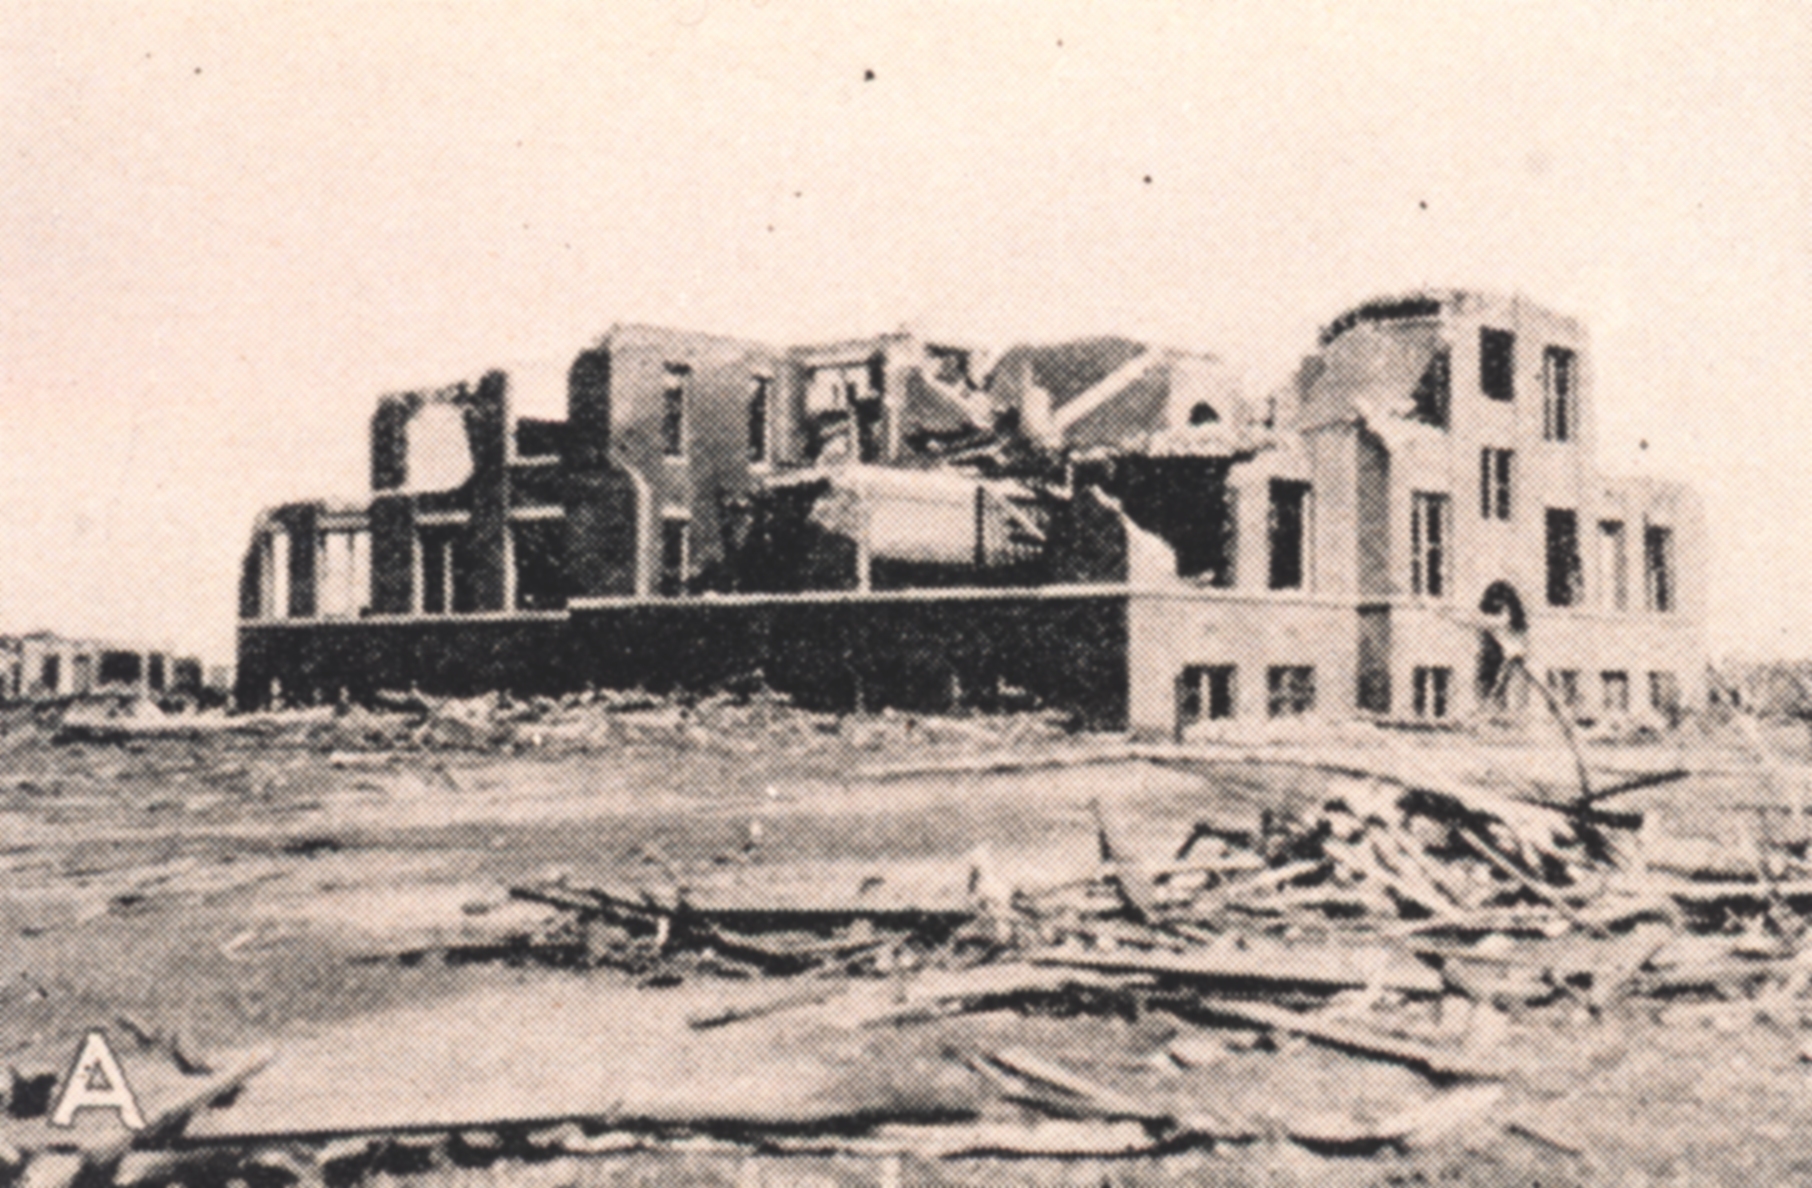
point(1411, 919)
point(742, 720)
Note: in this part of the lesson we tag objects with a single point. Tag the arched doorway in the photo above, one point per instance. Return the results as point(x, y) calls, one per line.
point(1506, 624)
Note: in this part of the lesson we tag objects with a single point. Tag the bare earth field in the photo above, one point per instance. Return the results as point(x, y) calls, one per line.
point(336, 891)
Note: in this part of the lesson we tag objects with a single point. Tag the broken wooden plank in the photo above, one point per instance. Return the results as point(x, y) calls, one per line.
point(1101, 1100)
point(1326, 970)
point(1435, 1062)
point(1047, 1138)
point(1129, 882)
point(1542, 891)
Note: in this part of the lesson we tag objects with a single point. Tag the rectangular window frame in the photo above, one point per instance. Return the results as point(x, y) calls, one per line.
point(1497, 476)
point(674, 572)
point(1565, 577)
point(1615, 684)
point(1659, 575)
point(1289, 690)
point(1560, 394)
point(675, 421)
point(1430, 543)
point(760, 418)
point(1497, 364)
point(1289, 529)
point(1613, 546)
point(1432, 687)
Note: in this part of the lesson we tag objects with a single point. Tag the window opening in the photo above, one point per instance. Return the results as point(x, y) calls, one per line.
point(1290, 507)
point(538, 553)
point(673, 413)
point(1557, 379)
point(675, 545)
point(1564, 684)
point(758, 420)
point(1434, 392)
point(1428, 532)
point(1565, 581)
point(1289, 690)
point(1495, 469)
point(1658, 554)
point(1497, 363)
point(1431, 687)
point(1616, 564)
point(1205, 692)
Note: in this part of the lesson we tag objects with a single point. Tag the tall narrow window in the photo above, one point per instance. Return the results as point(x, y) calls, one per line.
point(1664, 692)
point(1615, 565)
point(673, 413)
point(1616, 692)
point(1428, 547)
point(1658, 556)
point(758, 420)
point(1434, 395)
point(1495, 468)
point(1288, 530)
point(675, 534)
point(1497, 363)
point(538, 553)
point(1557, 382)
point(1565, 580)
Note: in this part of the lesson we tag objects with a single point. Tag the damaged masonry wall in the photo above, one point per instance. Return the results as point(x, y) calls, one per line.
point(1348, 545)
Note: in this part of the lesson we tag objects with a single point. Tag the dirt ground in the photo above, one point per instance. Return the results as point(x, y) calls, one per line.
point(296, 887)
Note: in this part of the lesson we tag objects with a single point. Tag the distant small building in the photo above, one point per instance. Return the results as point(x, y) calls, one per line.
point(1102, 524)
point(44, 666)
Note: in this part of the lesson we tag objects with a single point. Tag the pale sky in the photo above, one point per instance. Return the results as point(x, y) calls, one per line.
point(226, 229)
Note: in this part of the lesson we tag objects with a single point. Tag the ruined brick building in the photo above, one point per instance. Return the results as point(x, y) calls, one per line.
point(1100, 524)
point(43, 666)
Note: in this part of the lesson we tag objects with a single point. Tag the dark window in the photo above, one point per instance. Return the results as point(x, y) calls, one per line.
point(1428, 545)
point(1288, 528)
point(758, 421)
point(1205, 691)
point(1664, 692)
point(674, 542)
point(1616, 563)
point(154, 672)
point(447, 571)
point(538, 551)
point(1557, 406)
point(121, 668)
point(50, 673)
point(1434, 394)
point(673, 414)
point(1616, 692)
point(1431, 685)
point(1658, 555)
point(1495, 469)
point(1565, 580)
point(1289, 690)
point(1497, 363)
point(1564, 684)
point(1203, 414)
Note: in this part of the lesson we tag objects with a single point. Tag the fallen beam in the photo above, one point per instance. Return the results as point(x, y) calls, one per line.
point(1325, 971)
point(1431, 1060)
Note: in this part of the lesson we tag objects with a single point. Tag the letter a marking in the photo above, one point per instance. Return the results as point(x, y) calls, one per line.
point(96, 1081)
